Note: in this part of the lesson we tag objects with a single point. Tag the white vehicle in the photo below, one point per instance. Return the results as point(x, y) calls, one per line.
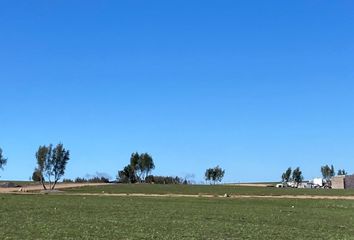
point(318, 182)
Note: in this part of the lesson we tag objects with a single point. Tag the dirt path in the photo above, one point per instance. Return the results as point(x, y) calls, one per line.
point(192, 196)
point(34, 189)
point(28, 188)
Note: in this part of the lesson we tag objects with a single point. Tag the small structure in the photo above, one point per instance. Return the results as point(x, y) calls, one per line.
point(349, 182)
point(343, 182)
point(338, 182)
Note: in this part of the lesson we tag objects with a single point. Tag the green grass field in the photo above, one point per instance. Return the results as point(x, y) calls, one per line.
point(207, 189)
point(112, 217)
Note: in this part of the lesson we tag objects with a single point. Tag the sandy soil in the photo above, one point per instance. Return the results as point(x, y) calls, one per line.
point(28, 188)
point(189, 196)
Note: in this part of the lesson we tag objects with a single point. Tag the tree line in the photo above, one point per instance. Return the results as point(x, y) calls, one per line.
point(297, 177)
point(141, 165)
point(51, 163)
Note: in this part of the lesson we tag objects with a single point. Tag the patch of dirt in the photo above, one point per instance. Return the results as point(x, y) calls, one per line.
point(33, 188)
point(214, 196)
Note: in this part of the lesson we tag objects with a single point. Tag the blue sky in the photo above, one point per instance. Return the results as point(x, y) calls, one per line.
point(252, 86)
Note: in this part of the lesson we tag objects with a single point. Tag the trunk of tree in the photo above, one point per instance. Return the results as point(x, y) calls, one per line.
point(55, 182)
point(42, 181)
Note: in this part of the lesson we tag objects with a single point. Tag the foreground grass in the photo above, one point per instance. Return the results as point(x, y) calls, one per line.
point(208, 190)
point(97, 217)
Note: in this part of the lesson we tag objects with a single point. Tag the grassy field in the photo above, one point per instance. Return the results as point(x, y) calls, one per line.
point(95, 217)
point(208, 189)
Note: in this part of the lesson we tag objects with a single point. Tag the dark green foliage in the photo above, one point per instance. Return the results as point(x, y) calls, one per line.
point(146, 165)
point(127, 175)
point(43, 159)
point(164, 180)
point(135, 162)
point(138, 169)
point(297, 176)
point(51, 163)
point(60, 158)
point(98, 180)
point(67, 180)
point(80, 180)
point(37, 175)
point(215, 174)
point(91, 180)
point(342, 172)
point(3, 160)
point(327, 172)
point(286, 176)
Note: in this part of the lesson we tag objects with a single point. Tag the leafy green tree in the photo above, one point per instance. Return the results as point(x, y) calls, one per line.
point(286, 176)
point(134, 161)
point(139, 168)
point(127, 175)
point(3, 160)
point(209, 174)
point(342, 172)
point(215, 174)
point(51, 163)
point(327, 172)
point(60, 158)
point(146, 165)
point(43, 159)
point(297, 176)
point(36, 175)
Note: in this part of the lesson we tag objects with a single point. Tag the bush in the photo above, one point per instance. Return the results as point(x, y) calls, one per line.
point(98, 180)
point(164, 180)
point(67, 180)
point(36, 176)
point(80, 180)
point(92, 180)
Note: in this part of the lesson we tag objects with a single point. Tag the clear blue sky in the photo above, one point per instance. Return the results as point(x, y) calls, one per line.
point(252, 86)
